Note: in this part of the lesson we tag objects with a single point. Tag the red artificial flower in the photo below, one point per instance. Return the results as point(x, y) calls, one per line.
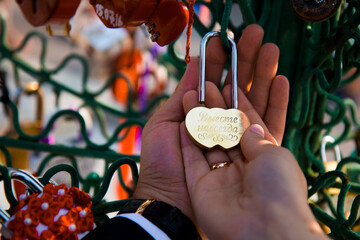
point(23, 226)
point(66, 235)
point(45, 207)
point(24, 202)
point(65, 227)
point(47, 235)
point(81, 198)
point(53, 189)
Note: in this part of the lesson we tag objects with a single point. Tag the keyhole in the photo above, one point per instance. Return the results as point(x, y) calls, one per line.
point(34, 6)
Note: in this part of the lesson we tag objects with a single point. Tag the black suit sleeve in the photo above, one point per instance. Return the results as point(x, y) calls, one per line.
point(118, 228)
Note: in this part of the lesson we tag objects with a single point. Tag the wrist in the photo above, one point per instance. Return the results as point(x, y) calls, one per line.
point(166, 217)
point(174, 199)
point(293, 223)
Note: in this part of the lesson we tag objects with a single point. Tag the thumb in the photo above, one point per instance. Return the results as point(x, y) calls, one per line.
point(253, 142)
point(255, 147)
point(172, 110)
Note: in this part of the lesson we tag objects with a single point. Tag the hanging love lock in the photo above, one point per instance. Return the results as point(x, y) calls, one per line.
point(49, 212)
point(165, 19)
point(332, 164)
point(168, 21)
point(54, 13)
point(20, 157)
point(315, 10)
point(215, 126)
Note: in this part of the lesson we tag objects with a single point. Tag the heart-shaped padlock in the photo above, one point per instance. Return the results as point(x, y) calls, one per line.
point(47, 12)
point(211, 127)
point(165, 19)
point(168, 21)
point(40, 12)
point(49, 212)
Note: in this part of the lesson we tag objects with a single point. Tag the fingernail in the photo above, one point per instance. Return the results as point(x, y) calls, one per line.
point(256, 128)
point(277, 144)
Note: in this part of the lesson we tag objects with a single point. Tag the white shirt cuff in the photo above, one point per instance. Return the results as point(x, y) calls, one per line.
point(148, 226)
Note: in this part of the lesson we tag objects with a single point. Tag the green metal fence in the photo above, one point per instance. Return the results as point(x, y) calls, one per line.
point(314, 56)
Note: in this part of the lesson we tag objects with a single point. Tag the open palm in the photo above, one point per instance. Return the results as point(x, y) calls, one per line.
point(262, 193)
point(162, 175)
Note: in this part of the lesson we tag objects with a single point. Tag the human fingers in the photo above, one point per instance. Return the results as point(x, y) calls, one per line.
point(273, 158)
point(275, 116)
point(195, 163)
point(265, 72)
point(172, 110)
point(190, 101)
point(246, 107)
point(213, 99)
point(247, 48)
point(252, 142)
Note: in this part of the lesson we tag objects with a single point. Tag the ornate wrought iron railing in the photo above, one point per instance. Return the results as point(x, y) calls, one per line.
point(315, 56)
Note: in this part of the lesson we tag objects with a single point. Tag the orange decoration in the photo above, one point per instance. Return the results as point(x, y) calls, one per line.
point(71, 208)
point(129, 64)
point(168, 21)
point(189, 30)
point(23, 226)
point(41, 12)
point(127, 146)
point(80, 198)
point(46, 235)
point(64, 10)
point(165, 19)
point(122, 13)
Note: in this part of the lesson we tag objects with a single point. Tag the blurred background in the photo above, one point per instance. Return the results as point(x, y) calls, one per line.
point(89, 94)
point(106, 52)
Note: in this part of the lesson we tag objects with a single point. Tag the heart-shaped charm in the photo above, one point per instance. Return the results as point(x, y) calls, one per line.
point(165, 19)
point(121, 13)
point(168, 21)
point(210, 127)
point(37, 12)
point(41, 12)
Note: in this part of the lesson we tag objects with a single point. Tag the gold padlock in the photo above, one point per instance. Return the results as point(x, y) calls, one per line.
point(20, 157)
point(332, 164)
point(211, 127)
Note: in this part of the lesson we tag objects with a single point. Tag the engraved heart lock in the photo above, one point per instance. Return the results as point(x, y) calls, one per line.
point(211, 127)
point(165, 19)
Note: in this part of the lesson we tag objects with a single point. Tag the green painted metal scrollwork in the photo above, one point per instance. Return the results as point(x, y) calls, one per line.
point(112, 160)
point(315, 56)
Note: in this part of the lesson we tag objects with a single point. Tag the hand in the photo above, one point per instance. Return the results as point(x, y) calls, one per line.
point(162, 174)
point(263, 96)
point(261, 195)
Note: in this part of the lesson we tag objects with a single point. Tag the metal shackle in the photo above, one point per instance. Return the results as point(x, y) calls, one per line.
point(329, 139)
point(33, 184)
point(202, 68)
